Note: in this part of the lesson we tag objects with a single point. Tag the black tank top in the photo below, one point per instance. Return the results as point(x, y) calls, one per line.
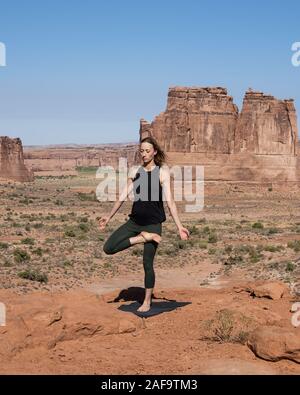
point(148, 207)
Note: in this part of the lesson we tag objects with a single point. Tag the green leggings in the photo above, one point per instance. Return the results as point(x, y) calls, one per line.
point(119, 240)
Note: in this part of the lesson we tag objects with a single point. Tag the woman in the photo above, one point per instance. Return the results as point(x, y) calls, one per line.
point(147, 215)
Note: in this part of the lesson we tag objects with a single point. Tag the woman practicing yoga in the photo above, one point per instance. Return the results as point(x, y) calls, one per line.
point(151, 180)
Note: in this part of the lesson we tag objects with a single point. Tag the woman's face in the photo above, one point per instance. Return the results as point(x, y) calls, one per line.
point(147, 152)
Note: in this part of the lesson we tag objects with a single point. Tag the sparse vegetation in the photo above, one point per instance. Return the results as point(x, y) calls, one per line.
point(257, 225)
point(21, 255)
point(33, 275)
point(295, 245)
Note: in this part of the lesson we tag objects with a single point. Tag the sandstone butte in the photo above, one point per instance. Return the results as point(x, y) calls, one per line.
point(200, 126)
point(12, 160)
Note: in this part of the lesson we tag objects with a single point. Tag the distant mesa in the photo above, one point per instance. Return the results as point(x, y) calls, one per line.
point(202, 125)
point(12, 165)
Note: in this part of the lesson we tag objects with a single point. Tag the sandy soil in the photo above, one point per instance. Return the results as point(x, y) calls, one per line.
point(62, 292)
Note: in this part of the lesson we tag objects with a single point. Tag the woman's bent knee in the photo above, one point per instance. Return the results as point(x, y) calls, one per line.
point(107, 249)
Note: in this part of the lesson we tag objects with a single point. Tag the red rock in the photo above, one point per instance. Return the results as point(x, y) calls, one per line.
point(275, 343)
point(195, 120)
point(203, 126)
point(266, 126)
point(272, 290)
point(12, 161)
point(75, 316)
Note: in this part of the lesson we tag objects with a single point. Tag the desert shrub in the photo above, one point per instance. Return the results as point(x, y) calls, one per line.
point(290, 267)
point(212, 238)
point(257, 225)
point(84, 227)
point(33, 275)
point(28, 240)
point(21, 255)
point(202, 244)
point(38, 251)
point(137, 252)
point(295, 245)
point(70, 233)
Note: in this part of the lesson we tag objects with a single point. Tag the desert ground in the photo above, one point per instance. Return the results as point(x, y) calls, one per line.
point(238, 272)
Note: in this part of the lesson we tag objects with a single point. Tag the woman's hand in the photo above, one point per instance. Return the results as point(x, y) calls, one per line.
point(103, 221)
point(184, 233)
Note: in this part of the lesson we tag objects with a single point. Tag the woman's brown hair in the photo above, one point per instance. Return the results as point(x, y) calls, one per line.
point(160, 157)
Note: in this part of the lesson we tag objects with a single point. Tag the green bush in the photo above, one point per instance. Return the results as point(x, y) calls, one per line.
point(21, 255)
point(257, 225)
point(181, 244)
point(28, 240)
point(137, 252)
point(206, 229)
point(295, 245)
point(33, 275)
point(272, 248)
point(233, 260)
point(202, 244)
point(194, 230)
point(272, 231)
point(84, 227)
point(290, 267)
point(83, 219)
point(70, 233)
point(212, 238)
point(225, 325)
point(38, 251)
point(228, 249)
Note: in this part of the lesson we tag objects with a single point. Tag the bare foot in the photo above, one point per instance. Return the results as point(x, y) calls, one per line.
point(144, 307)
point(151, 236)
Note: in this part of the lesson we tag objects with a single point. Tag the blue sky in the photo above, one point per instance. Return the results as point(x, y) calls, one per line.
point(87, 71)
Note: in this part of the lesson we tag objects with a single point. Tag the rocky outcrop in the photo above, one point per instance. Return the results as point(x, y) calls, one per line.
point(203, 126)
point(196, 120)
point(271, 290)
point(266, 126)
point(274, 343)
point(12, 161)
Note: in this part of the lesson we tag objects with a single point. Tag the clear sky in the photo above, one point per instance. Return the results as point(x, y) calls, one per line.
point(87, 71)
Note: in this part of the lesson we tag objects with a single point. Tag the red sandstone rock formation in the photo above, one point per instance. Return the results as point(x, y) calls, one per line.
point(266, 125)
point(12, 161)
point(195, 120)
point(202, 126)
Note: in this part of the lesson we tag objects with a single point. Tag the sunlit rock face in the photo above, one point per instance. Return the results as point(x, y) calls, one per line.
point(12, 165)
point(203, 126)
